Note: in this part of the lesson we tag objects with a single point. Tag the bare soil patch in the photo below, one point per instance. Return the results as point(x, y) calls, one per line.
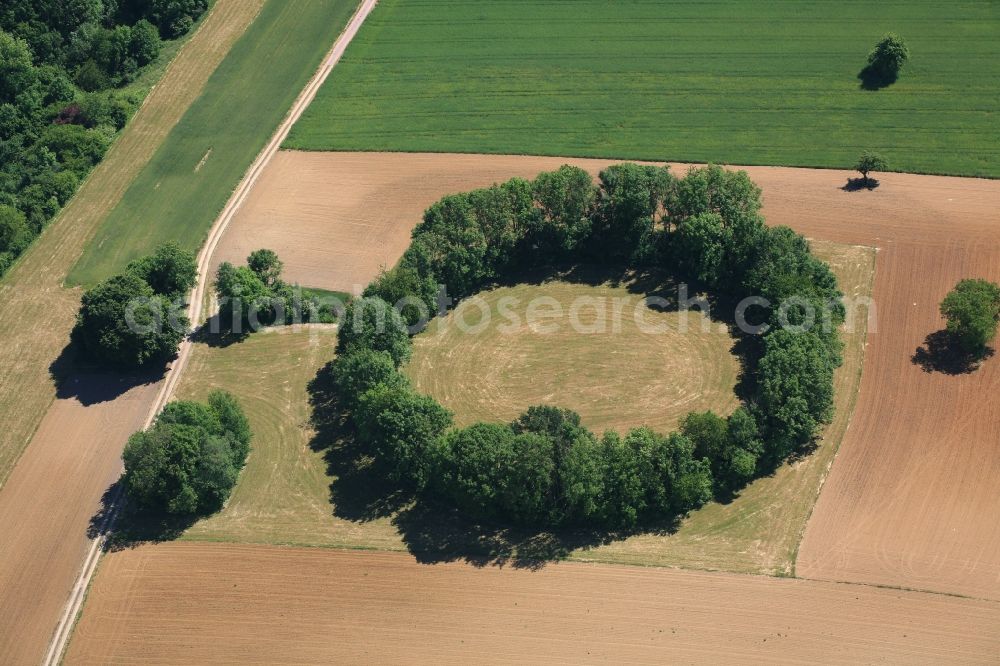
point(216, 603)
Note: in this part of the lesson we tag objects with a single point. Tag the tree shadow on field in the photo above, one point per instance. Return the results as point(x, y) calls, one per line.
point(858, 184)
point(90, 384)
point(873, 79)
point(942, 353)
point(432, 532)
point(131, 527)
point(218, 331)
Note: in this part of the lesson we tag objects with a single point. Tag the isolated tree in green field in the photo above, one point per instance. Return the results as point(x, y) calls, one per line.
point(868, 162)
point(885, 61)
point(972, 309)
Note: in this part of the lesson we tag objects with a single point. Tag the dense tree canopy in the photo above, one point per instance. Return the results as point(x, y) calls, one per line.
point(124, 324)
point(972, 309)
point(546, 468)
point(188, 461)
point(170, 271)
point(371, 323)
point(64, 68)
point(136, 319)
point(254, 295)
point(402, 427)
point(885, 61)
point(566, 199)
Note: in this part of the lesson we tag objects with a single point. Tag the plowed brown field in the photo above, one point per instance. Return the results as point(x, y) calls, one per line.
point(47, 502)
point(215, 603)
point(913, 497)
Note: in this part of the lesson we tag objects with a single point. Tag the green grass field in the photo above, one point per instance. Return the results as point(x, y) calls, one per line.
point(294, 493)
point(180, 192)
point(767, 82)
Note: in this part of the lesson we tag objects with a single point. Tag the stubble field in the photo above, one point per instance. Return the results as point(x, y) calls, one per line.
point(595, 349)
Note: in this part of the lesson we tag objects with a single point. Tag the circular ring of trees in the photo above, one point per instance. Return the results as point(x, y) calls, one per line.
point(545, 468)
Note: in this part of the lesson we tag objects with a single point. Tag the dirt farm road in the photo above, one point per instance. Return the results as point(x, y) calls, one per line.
point(41, 568)
point(198, 298)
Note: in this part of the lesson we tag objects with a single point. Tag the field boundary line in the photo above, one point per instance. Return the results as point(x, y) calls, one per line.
point(73, 607)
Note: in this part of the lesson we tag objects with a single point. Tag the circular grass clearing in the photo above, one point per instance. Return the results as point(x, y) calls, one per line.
point(598, 350)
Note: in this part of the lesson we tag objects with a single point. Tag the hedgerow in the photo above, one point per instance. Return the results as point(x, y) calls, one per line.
point(546, 468)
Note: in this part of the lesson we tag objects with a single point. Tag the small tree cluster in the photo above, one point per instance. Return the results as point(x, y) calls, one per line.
point(135, 319)
point(188, 461)
point(546, 468)
point(255, 295)
point(972, 310)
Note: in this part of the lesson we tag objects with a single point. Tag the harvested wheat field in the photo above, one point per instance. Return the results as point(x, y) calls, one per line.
point(912, 498)
point(216, 603)
point(598, 350)
point(49, 500)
